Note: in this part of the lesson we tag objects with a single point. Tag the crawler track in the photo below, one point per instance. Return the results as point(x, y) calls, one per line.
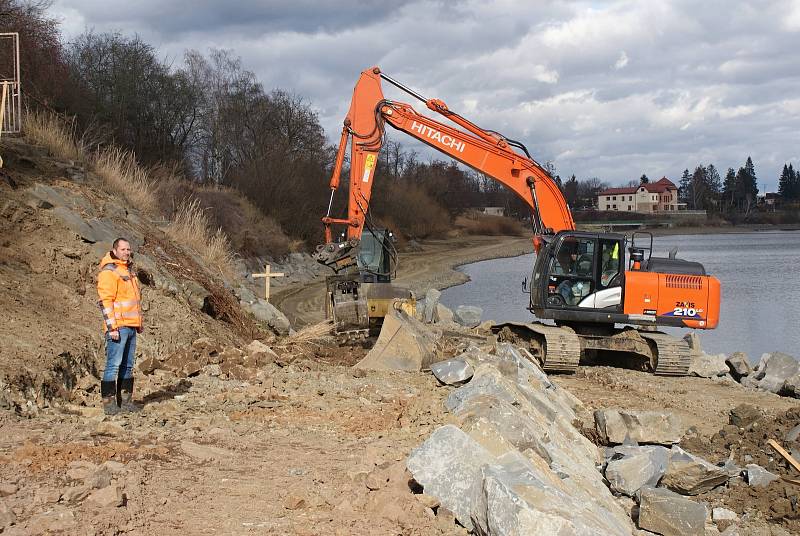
point(673, 356)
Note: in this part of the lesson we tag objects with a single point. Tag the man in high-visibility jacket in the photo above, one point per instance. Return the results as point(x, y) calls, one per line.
point(120, 303)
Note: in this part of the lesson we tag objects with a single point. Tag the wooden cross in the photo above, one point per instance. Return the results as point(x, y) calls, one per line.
point(266, 275)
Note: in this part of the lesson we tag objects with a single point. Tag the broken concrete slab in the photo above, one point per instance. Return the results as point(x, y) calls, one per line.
point(448, 465)
point(468, 315)
point(514, 498)
point(739, 365)
point(758, 477)
point(691, 475)
point(404, 343)
point(444, 314)
point(452, 371)
point(270, 315)
point(708, 366)
point(633, 468)
point(431, 311)
point(773, 370)
point(659, 427)
point(665, 512)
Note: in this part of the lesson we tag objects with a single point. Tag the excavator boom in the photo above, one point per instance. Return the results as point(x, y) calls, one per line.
point(485, 151)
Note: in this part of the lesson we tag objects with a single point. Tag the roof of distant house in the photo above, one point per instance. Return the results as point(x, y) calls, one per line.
point(663, 185)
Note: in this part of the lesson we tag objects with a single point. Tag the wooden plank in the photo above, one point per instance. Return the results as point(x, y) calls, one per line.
point(794, 481)
point(780, 450)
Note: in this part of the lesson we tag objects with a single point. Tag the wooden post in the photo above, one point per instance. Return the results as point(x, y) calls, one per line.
point(3, 112)
point(266, 275)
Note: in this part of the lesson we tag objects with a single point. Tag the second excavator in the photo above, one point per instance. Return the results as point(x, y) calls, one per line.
point(581, 281)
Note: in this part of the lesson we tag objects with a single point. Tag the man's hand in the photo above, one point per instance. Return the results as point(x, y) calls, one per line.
point(114, 334)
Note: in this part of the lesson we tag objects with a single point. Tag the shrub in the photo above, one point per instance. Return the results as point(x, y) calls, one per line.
point(123, 176)
point(55, 134)
point(484, 224)
point(190, 227)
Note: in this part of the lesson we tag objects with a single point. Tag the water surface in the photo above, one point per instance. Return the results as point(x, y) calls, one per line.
point(759, 273)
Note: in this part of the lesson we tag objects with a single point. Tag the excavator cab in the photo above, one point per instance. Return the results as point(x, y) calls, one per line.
point(578, 271)
point(376, 257)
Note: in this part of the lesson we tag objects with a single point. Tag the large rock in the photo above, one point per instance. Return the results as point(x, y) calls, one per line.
point(270, 315)
point(452, 371)
point(739, 365)
point(444, 314)
point(708, 366)
point(660, 427)
point(509, 409)
point(632, 468)
point(404, 343)
point(691, 475)
point(468, 316)
point(448, 465)
point(664, 512)
point(513, 499)
point(773, 370)
point(431, 312)
point(744, 415)
point(791, 387)
point(758, 477)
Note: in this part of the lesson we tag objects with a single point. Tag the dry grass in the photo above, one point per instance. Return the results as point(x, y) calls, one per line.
point(190, 227)
point(483, 224)
point(55, 134)
point(123, 176)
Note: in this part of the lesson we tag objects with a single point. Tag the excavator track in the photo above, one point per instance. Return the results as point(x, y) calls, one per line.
point(561, 347)
point(673, 356)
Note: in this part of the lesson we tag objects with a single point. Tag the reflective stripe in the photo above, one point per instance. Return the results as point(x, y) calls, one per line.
point(109, 322)
point(107, 310)
point(127, 314)
point(128, 303)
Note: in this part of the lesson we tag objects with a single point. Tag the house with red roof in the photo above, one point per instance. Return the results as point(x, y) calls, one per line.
point(661, 196)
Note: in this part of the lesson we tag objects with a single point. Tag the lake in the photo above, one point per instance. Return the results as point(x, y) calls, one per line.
point(759, 273)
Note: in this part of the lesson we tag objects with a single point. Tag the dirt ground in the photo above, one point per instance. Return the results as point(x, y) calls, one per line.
point(310, 448)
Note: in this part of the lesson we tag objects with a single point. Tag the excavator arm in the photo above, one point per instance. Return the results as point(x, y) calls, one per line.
point(485, 151)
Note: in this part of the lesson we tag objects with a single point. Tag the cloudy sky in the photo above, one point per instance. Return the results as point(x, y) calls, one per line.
point(608, 89)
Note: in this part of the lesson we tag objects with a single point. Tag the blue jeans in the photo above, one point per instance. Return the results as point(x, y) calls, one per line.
point(120, 355)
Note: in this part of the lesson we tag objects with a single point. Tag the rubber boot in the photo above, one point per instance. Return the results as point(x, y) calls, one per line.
point(126, 396)
point(108, 391)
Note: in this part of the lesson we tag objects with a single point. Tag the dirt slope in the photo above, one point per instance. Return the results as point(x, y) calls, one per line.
point(56, 222)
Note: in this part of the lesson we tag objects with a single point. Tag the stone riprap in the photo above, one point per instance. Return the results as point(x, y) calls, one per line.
point(618, 425)
point(468, 316)
point(665, 512)
point(452, 371)
point(514, 463)
point(631, 468)
point(691, 475)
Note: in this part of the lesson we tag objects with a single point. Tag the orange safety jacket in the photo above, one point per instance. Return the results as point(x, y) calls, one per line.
point(118, 289)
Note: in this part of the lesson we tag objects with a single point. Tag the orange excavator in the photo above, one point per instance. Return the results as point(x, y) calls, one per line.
point(580, 280)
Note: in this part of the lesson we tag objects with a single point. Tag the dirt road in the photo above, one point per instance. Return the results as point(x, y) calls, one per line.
point(433, 267)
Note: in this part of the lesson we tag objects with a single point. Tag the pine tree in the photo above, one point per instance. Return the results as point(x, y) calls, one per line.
point(699, 182)
point(714, 186)
point(571, 191)
point(794, 179)
point(685, 187)
point(786, 183)
point(729, 189)
point(643, 179)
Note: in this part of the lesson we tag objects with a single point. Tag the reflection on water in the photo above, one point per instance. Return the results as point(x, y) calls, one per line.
point(759, 273)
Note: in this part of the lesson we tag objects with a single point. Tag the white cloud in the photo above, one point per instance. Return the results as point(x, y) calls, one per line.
point(714, 81)
point(622, 61)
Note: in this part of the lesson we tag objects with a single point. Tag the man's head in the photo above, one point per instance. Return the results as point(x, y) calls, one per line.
point(121, 249)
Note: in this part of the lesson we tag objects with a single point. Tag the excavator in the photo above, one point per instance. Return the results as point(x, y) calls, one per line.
point(581, 282)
